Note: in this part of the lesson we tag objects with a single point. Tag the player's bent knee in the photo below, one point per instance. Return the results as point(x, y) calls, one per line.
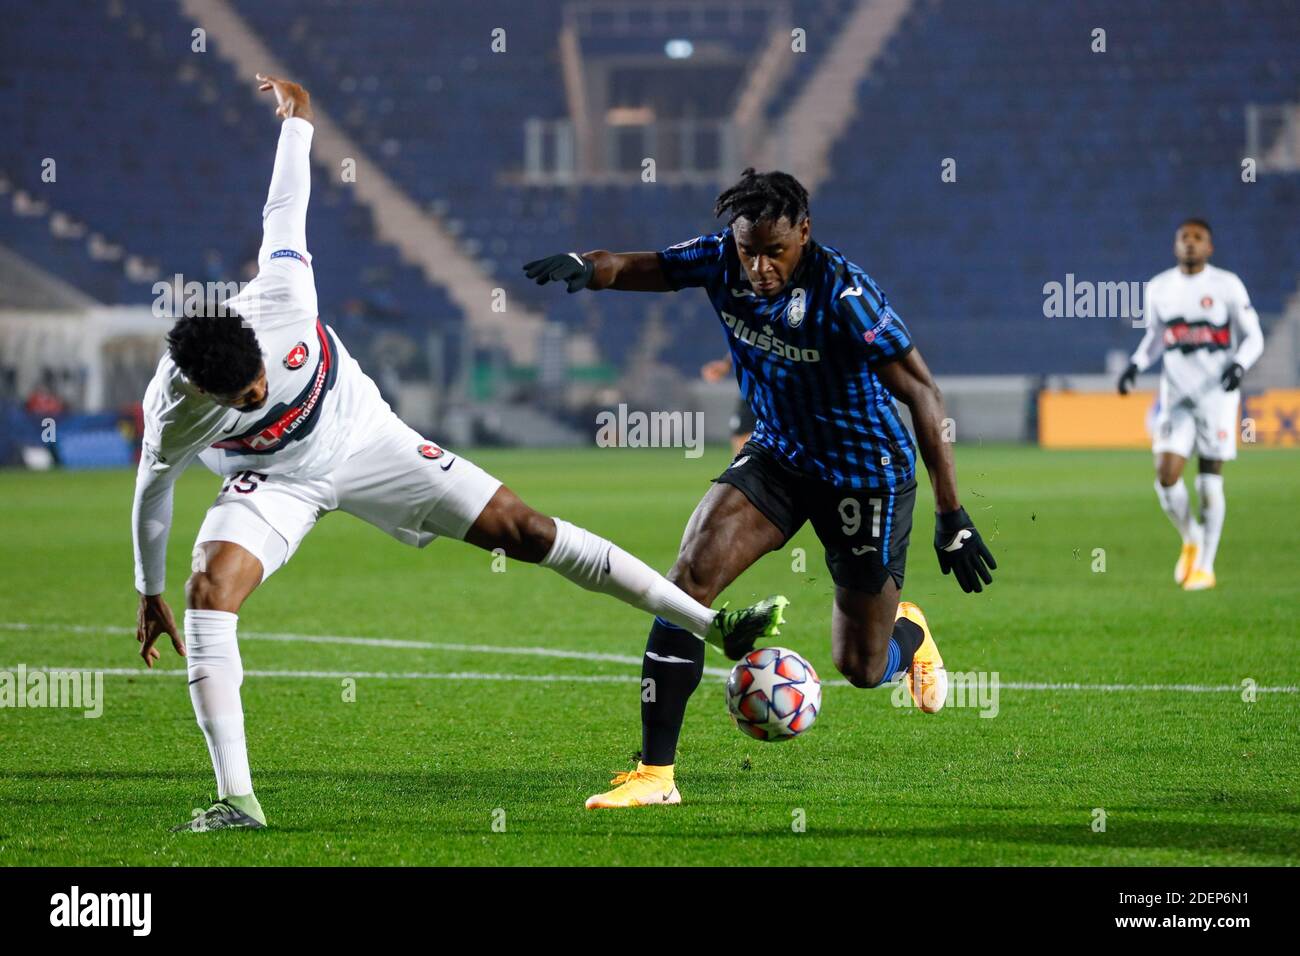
point(205, 591)
point(528, 535)
point(697, 577)
point(506, 523)
point(535, 534)
point(1169, 471)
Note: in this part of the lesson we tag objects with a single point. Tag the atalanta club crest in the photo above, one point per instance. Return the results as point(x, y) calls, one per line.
point(297, 357)
point(795, 312)
point(430, 450)
point(1206, 302)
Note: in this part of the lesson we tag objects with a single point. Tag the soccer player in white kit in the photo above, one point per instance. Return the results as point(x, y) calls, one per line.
point(265, 395)
point(1200, 319)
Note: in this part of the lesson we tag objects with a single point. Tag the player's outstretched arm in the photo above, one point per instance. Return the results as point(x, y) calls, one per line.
point(598, 269)
point(291, 100)
point(151, 519)
point(958, 544)
point(284, 217)
point(166, 452)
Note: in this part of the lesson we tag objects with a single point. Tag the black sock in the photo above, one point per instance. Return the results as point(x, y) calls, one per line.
point(670, 672)
point(908, 636)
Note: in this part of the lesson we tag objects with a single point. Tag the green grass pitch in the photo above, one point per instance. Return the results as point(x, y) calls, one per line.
point(418, 768)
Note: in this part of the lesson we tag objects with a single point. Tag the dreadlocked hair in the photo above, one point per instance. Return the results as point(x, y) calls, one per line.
point(764, 197)
point(218, 353)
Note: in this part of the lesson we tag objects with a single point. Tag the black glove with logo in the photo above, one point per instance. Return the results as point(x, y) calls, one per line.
point(1128, 378)
point(962, 551)
point(1232, 377)
point(568, 267)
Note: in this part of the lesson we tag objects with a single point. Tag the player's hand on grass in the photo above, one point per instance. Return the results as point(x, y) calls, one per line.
point(567, 267)
point(290, 98)
point(1127, 380)
point(153, 620)
point(962, 551)
point(1232, 377)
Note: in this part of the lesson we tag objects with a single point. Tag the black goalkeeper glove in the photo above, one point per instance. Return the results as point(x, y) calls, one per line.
point(1128, 378)
point(1232, 377)
point(568, 267)
point(962, 551)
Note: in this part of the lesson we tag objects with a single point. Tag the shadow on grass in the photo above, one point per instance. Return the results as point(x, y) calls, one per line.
point(1259, 839)
point(549, 803)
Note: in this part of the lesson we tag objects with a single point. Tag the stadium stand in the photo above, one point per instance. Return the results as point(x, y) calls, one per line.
point(964, 262)
point(968, 259)
point(190, 181)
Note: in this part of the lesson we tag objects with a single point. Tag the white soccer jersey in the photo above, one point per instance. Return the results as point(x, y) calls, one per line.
point(317, 396)
point(1201, 324)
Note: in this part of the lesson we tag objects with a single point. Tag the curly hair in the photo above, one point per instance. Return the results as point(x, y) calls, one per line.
point(764, 196)
point(217, 353)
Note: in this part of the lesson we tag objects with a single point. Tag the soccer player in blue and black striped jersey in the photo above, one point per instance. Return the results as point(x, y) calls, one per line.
point(821, 357)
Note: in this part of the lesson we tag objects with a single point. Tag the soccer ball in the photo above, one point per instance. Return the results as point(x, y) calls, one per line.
point(773, 694)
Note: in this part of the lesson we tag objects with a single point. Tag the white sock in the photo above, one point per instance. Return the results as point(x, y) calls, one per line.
point(1174, 500)
point(591, 562)
point(1209, 489)
point(216, 672)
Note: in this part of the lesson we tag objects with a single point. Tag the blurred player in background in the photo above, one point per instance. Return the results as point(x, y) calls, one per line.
point(1200, 319)
point(266, 395)
point(820, 356)
point(742, 419)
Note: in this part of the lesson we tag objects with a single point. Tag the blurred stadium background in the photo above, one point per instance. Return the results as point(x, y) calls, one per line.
point(458, 140)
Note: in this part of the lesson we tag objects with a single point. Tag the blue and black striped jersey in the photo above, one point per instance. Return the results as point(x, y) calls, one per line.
point(806, 360)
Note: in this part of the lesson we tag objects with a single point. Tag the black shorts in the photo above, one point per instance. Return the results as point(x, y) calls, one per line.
point(742, 419)
point(865, 531)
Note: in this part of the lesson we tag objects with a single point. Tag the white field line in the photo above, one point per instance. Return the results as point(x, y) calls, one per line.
point(340, 675)
point(365, 642)
point(719, 672)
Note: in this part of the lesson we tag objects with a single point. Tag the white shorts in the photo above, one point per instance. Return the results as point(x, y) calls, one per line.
point(1207, 426)
point(403, 484)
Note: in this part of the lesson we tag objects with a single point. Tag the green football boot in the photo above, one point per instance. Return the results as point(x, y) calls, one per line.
point(232, 813)
point(735, 632)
